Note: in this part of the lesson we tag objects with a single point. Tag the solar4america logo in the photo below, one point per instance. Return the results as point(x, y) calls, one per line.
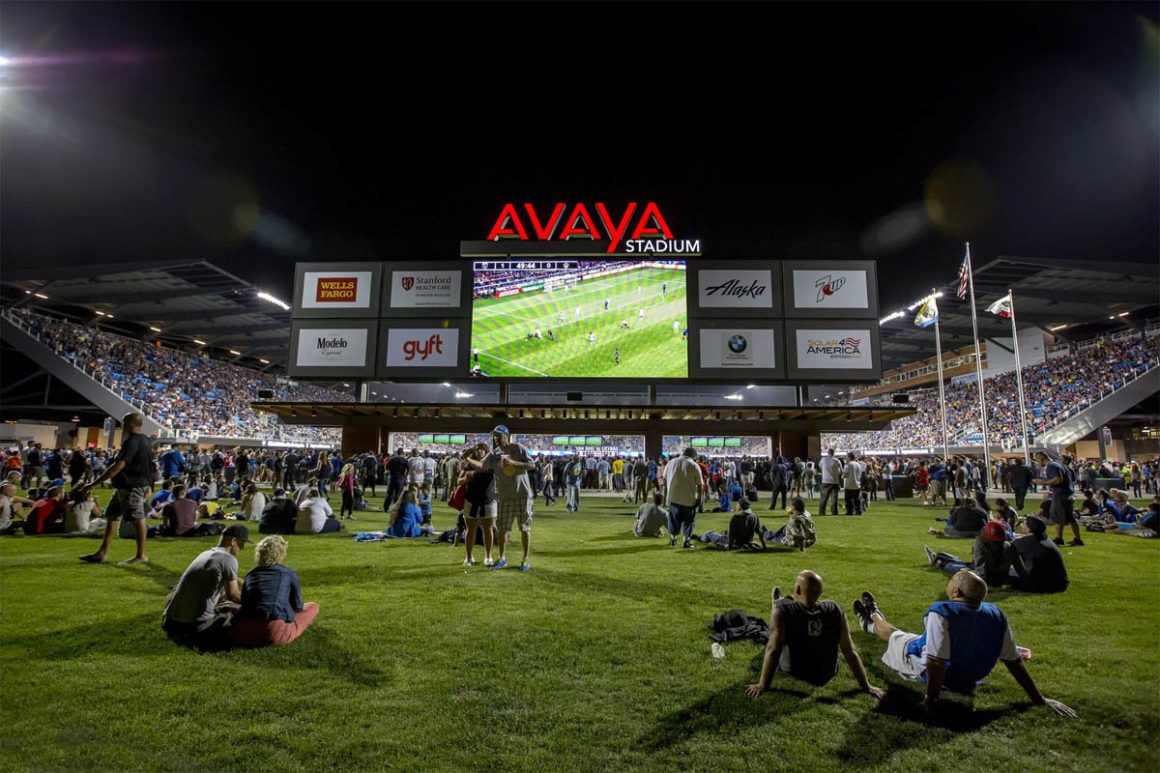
point(847, 348)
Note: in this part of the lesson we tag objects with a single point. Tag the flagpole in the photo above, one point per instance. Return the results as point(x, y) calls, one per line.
point(979, 369)
point(1019, 381)
point(942, 403)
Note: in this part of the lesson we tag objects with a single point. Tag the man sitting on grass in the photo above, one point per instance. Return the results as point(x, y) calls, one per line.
point(992, 556)
point(968, 517)
point(195, 613)
point(805, 635)
point(743, 527)
point(179, 516)
point(651, 518)
point(1040, 566)
point(962, 641)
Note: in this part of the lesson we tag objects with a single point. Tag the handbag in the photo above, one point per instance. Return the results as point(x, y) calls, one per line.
point(458, 497)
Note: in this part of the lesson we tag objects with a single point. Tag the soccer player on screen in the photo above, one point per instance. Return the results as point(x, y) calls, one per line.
point(676, 326)
point(606, 304)
point(640, 314)
point(591, 338)
point(616, 356)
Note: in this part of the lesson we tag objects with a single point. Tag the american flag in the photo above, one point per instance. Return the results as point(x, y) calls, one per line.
point(964, 271)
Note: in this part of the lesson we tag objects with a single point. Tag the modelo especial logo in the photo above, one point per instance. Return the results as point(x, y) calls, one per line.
point(331, 348)
point(423, 349)
point(735, 289)
point(738, 344)
point(848, 348)
point(341, 289)
point(828, 285)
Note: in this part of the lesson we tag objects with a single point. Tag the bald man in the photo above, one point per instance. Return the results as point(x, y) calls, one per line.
point(805, 635)
point(964, 638)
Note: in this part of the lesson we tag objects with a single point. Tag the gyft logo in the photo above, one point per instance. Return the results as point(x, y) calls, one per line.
point(408, 282)
point(827, 286)
point(336, 289)
point(736, 289)
point(422, 349)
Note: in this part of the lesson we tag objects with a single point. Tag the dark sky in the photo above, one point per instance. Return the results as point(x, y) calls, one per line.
point(257, 135)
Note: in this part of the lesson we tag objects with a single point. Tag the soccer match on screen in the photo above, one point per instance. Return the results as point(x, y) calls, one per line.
point(579, 319)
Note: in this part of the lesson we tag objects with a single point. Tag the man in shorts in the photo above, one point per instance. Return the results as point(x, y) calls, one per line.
point(132, 475)
point(805, 636)
point(962, 641)
point(1057, 477)
point(510, 462)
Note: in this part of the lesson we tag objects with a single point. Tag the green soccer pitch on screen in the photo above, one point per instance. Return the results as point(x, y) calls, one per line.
point(579, 319)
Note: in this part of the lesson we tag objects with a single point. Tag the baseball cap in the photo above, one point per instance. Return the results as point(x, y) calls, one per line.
point(996, 531)
point(501, 429)
point(1037, 525)
point(238, 532)
point(279, 492)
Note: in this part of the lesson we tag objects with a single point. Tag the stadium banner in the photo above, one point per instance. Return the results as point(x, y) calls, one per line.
point(833, 350)
point(735, 288)
point(334, 290)
point(830, 289)
point(332, 348)
point(724, 348)
point(421, 289)
point(422, 348)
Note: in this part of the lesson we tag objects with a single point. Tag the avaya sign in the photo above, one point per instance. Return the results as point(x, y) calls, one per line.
point(649, 233)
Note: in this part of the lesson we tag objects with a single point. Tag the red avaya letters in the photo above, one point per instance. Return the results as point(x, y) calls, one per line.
point(644, 229)
point(579, 212)
point(579, 223)
point(545, 233)
point(501, 229)
point(615, 232)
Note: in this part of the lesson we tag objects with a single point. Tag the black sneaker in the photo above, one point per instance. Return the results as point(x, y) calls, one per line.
point(776, 593)
point(870, 604)
point(1076, 543)
point(864, 619)
point(1058, 541)
point(930, 554)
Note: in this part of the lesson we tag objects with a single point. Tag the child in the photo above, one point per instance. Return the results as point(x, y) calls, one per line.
point(425, 503)
point(799, 532)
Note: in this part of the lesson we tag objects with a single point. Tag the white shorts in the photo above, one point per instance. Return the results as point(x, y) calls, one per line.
point(908, 666)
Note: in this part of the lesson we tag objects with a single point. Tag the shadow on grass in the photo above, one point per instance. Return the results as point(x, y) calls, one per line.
point(634, 590)
point(164, 577)
point(596, 552)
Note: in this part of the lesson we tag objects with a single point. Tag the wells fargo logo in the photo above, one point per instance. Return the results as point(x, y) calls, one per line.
point(337, 289)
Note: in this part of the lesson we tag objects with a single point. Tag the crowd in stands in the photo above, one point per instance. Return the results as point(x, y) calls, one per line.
point(489, 282)
point(1053, 391)
point(187, 392)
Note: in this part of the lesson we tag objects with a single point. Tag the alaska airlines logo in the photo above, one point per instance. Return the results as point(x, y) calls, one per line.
point(737, 289)
point(828, 285)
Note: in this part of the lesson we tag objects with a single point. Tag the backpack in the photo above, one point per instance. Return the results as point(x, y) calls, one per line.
point(212, 529)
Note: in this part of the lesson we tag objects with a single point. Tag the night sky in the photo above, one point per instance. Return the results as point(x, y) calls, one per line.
point(254, 136)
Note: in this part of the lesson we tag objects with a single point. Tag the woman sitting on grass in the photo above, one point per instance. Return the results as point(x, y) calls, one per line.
point(253, 503)
point(406, 518)
point(83, 514)
point(273, 612)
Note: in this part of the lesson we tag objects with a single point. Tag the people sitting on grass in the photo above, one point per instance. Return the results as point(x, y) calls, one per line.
point(179, 516)
point(253, 503)
point(1006, 513)
point(968, 517)
point(1120, 509)
point(992, 556)
point(806, 634)
point(273, 612)
point(1039, 566)
point(200, 608)
point(315, 515)
point(47, 514)
point(1147, 525)
point(279, 516)
point(651, 517)
point(406, 520)
point(158, 500)
point(963, 639)
point(799, 532)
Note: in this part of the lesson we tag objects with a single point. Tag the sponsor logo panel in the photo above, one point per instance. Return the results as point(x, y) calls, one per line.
point(837, 349)
point(719, 288)
point(419, 289)
point(417, 347)
point(735, 348)
point(336, 290)
point(332, 348)
point(830, 289)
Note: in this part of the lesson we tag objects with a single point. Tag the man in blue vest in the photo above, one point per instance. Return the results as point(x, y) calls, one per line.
point(962, 641)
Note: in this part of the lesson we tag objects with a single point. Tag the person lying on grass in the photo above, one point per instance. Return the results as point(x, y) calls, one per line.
point(200, 608)
point(273, 613)
point(805, 636)
point(963, 640)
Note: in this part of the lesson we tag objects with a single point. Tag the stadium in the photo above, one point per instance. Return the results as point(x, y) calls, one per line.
point(301, 472)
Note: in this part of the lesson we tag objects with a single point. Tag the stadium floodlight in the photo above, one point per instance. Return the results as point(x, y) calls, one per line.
point(750, 386)
point(5, 61)
point(446, 384)
point(42, 296)
point(199, 342)
point(1123, 313)
point(1057, 327)
point(235, 353)
point(276, 301)
point(155, 329)
point(461, 395)
point(735, 396)
point(264, 362)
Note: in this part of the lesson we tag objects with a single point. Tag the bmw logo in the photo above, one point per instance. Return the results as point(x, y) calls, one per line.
point(738, 344)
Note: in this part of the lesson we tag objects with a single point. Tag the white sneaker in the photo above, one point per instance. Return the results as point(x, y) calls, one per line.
point(468, 562)
point(487, 562)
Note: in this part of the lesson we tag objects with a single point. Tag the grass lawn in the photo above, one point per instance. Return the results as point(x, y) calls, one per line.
point(598, 659)
point(638, 323)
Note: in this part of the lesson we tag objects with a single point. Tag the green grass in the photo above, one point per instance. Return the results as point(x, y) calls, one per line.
point(598, 659)
point(648, 347)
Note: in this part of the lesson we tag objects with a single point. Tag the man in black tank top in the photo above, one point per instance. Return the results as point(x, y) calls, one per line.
point(805, 635)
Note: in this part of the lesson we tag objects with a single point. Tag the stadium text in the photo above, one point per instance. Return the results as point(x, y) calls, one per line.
point(657, 246)
point(579, 224)
point(433, 345)
point(337, 289)
point(737, 289)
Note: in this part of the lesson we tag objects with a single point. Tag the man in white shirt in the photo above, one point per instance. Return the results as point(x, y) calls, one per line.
point(684, 486)
point(315, 516)
point(831, 478)
point(888, 479)
point(852, 478)
point(416, 468)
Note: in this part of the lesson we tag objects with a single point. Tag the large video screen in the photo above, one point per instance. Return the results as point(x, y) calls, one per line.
point(579, 319)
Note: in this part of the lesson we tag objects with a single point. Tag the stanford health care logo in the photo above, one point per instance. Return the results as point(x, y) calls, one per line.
point(828, 285)
point(408, 283)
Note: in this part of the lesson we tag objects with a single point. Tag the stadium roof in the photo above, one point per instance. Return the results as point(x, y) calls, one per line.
point(1072, 299)
point(187, 301)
